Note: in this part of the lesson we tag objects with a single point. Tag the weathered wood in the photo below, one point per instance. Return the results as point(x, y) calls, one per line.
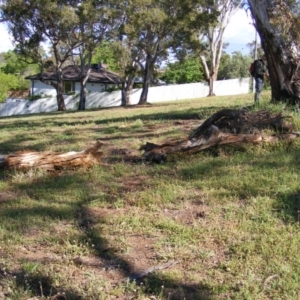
point(22, 160)
point(208, 134)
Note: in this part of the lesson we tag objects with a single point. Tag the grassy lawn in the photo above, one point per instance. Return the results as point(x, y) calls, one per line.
point(227, 217)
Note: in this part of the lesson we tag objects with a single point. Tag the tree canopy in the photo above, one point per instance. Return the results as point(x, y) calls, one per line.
point(151, 28)
point(145, 32)
point(186, 71)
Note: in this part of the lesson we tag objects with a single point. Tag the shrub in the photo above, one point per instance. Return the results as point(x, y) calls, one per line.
point(112, 89)
point(10, 82)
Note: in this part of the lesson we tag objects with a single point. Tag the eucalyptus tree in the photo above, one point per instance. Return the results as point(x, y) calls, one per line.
point(129, 58)
point(34, 22)
point(151, 27)
point(214, 36)
point(277, 23)
point(96, 22)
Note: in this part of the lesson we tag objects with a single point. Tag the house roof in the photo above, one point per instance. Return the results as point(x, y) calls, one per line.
point(97, 75)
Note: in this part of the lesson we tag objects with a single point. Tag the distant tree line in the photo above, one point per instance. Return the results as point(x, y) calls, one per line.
point(191, 70)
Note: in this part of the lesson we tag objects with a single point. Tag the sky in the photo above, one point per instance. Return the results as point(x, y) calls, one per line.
point(238, 33)
point(5, 40)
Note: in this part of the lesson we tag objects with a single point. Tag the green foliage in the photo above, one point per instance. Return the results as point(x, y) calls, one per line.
point(14, 64)
point(105, 54)
point(10, 82)
point(234, 66)
point(152, 28)
point(186, 71)
point(112, 89)
point(36, 97)
point(13, 70)
point(190, 70)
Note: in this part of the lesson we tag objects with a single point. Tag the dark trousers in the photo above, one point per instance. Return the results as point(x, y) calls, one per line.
point(259, 82)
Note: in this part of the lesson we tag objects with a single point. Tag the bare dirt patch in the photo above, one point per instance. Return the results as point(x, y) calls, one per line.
point(8, 196)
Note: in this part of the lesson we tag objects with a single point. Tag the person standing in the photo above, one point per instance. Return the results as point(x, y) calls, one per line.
point(260, 71)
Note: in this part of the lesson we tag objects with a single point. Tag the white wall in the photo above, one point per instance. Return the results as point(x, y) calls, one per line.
point(40, 88)
point(106, 99)
point(93, 87)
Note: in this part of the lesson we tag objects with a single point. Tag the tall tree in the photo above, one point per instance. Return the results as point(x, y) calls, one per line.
point(37, 21)
point(129, 64)
point(215, 38)
point(151, 26)
point(277, 22)
point(96, 21)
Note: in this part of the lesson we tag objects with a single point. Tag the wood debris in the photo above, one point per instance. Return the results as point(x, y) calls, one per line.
point(227, 126)
point(48, 160)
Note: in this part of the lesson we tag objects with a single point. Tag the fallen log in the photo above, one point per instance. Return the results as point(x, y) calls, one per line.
point(225, 127)
point(23, 160)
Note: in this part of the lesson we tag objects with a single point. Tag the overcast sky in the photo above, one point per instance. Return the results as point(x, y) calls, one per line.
point(238, 34)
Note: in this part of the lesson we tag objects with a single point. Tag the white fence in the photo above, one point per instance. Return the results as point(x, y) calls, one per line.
point(105, 99)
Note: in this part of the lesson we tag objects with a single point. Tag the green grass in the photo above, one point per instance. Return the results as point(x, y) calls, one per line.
point(228, 216)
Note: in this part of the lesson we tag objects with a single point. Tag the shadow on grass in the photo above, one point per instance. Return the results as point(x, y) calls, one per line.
point(288, 206)
point(176, 114)
point(68, 204)
point(42, 127)
point(23, 285)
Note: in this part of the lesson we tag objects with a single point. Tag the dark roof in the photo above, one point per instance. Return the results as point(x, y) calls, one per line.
point(97, 75)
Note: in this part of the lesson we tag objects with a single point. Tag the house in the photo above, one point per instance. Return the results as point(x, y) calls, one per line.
point(99, 80)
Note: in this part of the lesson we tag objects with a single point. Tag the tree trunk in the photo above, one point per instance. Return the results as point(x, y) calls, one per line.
point(127, 87)
point(146, 82)
point(211, 87)
point(59, 91)
point(85, 59)
point(215, 37)
point(281, 48)
point(144, 94)
point(210, 76)
point(82, 100)
point(83, 82)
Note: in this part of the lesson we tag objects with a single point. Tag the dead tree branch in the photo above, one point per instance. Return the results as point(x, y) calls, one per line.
point(226, 127)
point(23, 160)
